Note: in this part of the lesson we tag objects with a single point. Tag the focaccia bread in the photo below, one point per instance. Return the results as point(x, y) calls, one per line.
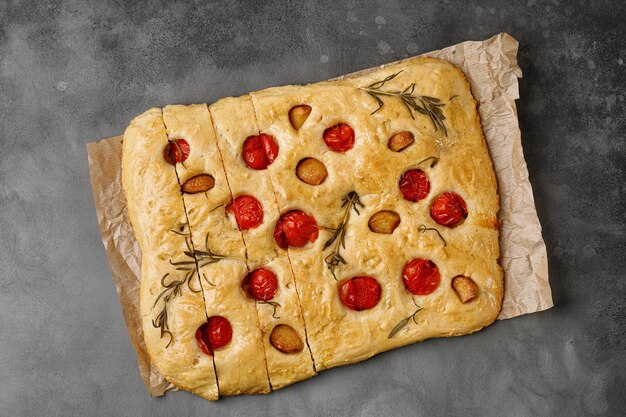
point(300, 228)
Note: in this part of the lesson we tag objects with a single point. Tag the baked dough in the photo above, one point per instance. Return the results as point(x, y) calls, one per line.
point(241, 368)
point(234, 121)
point(337, 334)
point(308, 292)
point(155, 207)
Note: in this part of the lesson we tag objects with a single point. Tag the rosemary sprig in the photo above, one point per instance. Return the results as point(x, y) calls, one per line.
point(429, 106)
point(405, 321)
point(172, 289)
point(422, 228)
point(160, 322)
point(334, 259)
point(191, 268)
point(273, 304)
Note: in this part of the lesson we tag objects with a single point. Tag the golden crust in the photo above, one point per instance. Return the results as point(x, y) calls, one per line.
point(308, 293)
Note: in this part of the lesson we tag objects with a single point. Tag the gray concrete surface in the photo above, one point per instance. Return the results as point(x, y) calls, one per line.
point(73, 71)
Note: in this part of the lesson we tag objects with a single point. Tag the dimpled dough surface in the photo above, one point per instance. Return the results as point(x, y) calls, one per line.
point(335, 334)
point(155, 206)
point(234, 121)
point(240, 368)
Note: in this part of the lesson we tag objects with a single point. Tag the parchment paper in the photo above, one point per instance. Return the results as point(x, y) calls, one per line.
point(491, 68)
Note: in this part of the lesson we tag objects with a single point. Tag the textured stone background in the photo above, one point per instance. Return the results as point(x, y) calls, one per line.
point(71, 73)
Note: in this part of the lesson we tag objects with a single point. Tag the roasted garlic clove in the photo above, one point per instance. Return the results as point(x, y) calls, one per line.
point(384, 221)
point(400, 141)
point(465, 288)
point(198, 184)
point(286, 339)
point(298, 115)
point(311, 171)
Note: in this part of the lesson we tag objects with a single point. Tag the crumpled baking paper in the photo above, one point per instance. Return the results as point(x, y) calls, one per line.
point(491, 69)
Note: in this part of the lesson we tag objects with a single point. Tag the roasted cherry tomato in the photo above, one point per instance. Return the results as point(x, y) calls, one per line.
point(421, 276)
point(260, 284)
point(448, 209)
point(360, 293)
point(177, 150)
point(414, 185)
point(295, 228)
point(339, 138)
point(214, 334)
point(259, 151)
point(247, 210)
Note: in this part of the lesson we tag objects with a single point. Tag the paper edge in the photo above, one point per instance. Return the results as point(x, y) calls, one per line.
point(144, 362)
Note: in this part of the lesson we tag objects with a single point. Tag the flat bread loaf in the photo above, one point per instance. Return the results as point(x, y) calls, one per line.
point(300, 228)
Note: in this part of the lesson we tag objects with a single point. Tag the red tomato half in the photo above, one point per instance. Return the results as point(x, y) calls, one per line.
point(339, 138)
point(214, 334)
point(360, 293)
point(259, 151)
point(448, 209)
point(414, 185)
point(176, 150)
point(295, 228)
point(421, 276)
point(260, 284)
point(247, 210)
